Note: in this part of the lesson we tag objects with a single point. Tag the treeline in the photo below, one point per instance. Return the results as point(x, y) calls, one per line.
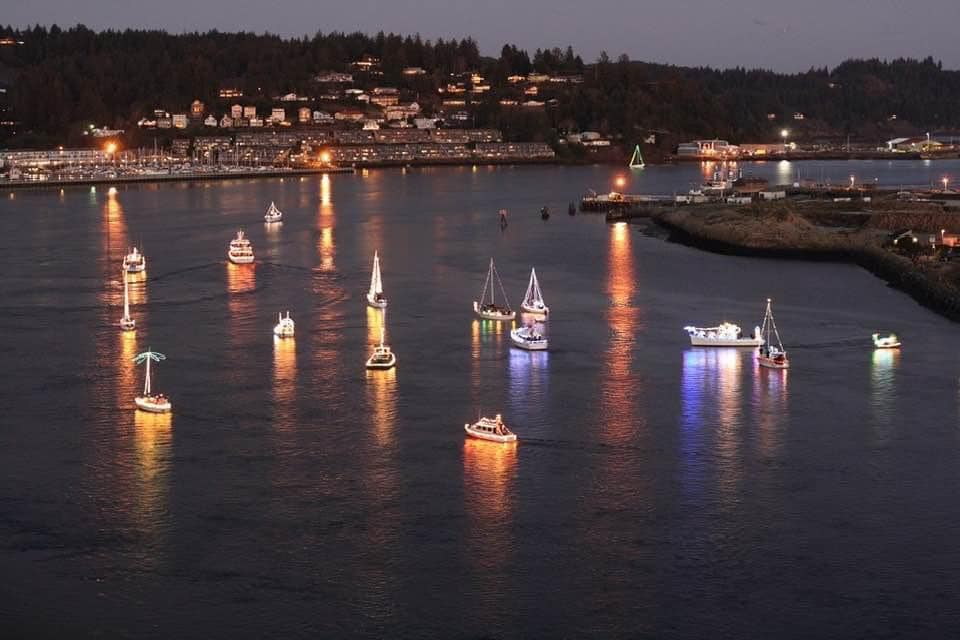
point(60, 79)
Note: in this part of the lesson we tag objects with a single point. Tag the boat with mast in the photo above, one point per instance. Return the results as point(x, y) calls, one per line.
point(127, 323)
point(150, 401)
point(636, 160)
point(886, 341)
point(375, 297)
point(382, 357)
point(492, 429)
point(491, 310)
point(240, 251)
point(273, 214)
point(134, 262)
point(772, 354)
point(533, 298)
point(529, 337)
point(285, 327)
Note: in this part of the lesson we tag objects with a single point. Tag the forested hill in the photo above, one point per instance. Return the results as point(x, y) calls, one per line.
point(55, 81)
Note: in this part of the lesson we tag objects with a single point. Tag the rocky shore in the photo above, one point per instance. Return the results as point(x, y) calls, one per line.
point(820, 231)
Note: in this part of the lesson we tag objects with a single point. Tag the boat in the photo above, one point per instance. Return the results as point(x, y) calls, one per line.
point(533, 299)
point(134, 262)
point(273, 214)
point(544, 213)
point(503, 218)
point(375, 297)
point(492, 429)
point(529, 337)
point(772, 356)
point(240, 251)
point(491, 310)
point(636, 160)
point(126, 322)
point(889, 341)
point(726, 334)
point(284, 327)
point(382, 357)
point(150, 401)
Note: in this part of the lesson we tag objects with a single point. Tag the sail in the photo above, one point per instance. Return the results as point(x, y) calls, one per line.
point(376, 284)
point(273, 211)
point(636, 161)
point(533, 299)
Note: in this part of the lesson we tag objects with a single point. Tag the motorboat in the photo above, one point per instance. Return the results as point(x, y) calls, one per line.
point(240, 251)
point(375, 297)
point(148, 400)
point(533, 299)
point(382, 357)
point(772, 355)
point(888, 341)
point(134, 262)
point(127, 323)
point(284, 327)
point(491, 310)
point(273, 214)
point(492, 429)
point(529, 337)
point(726, 334)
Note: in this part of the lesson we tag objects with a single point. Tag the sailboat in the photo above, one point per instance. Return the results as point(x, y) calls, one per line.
point(491, 310)
point(636, 160)
point(382, 357)
point(285, 327)
point(126, 322)
point(150, 401)
point(533, 299)
point(772, 355)
point(375, 297)
point(273, 214)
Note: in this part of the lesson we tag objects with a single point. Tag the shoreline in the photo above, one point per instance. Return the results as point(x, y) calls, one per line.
point(711, 231)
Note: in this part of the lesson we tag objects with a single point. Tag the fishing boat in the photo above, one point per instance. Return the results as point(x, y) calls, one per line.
point(134, 262)
point(285, 327)
point(726, 334)
point(492, 429)
point(150, 401)
point(375, 297)
point(772, 355)
point(888, 341)
point(273, 214)
point(533, 299)
point(529, 337)
point(382, 357)
point(240, 251)
point(544, 213)
point(491, 310)
point(127, 323)
point(636, 160)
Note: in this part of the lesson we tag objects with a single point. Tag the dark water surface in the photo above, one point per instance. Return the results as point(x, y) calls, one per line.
point(657, 491)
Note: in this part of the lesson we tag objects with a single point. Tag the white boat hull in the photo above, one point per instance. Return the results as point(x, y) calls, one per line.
point(148, 404)
point(697, 341)
point(283, 333)
point(270, 219)
point(376, 304)
point(240, 259)
point(135, 268)
point(128, 324)
point(490, 437)
point(529, 345)
point(371, 364)
point(493, 315)
point(770, 363)
point(534, 310)
point(887, 345)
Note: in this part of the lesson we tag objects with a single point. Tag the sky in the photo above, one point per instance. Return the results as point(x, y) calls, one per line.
point(772, 34)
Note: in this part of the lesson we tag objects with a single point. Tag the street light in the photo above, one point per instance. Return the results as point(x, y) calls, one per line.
point(783, 134)
point(851, 181)
point(945, 181)
point(621, 181)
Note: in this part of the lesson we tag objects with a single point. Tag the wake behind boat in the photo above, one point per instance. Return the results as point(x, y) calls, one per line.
point(492, 429)
point(375, 297)
point(491, 310)
point(240, 251)
point(273, 214)
point(533, 299)
point(726, 334)
point(772, 356)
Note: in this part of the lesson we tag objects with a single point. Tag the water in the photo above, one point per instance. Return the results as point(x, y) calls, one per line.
point(657, 491)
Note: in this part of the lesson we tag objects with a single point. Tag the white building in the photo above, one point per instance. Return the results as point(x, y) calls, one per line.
point(236, 111)
point(210, 121)
point(278, 114)
point(249, 112)
point(179, 121)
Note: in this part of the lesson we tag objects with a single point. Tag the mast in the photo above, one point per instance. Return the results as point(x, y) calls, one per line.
point(126, 297)
point(486, 283)
point(146, 382)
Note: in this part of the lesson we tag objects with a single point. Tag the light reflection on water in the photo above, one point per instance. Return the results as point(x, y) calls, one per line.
point(153, 437)
point(883, 391)
point(284, 383)
point(489, 470)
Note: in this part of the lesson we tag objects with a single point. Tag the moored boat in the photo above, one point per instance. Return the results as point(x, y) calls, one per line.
point(726, 334)
point(375, 297)
point(240, 251)
point(888, 341)
point(533, 299)
point(491, 310)
point(492, 429)
point(772, 355)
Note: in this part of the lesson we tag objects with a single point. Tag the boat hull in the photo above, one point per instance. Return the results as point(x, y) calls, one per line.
point(128, 324)
point(493, 315)
point(240, 259)
point(376, 304)
point(283, 333)
point(135, 268)
point(371, 364)
point(534, 311)
point(489, 437)
point(697, 341)
point(269, 220)
point(147, 404)
point(529, 345)
point(886, 345)
point(770, 363)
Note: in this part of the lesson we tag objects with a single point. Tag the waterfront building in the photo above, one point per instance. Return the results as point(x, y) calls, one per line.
point(226, 122)
point(256, 122)
point(706, 149)
point(210, 121)
point(196, 109)
point(303, 115)
point(425, 123)
point(333, 77)
point(249, 111)
point(236, 111)
point(179, 121)
point(385, 100)
point(322, 117)
point(164, 123)
point(278, 114)
point(402, 111)
point(349, 114)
